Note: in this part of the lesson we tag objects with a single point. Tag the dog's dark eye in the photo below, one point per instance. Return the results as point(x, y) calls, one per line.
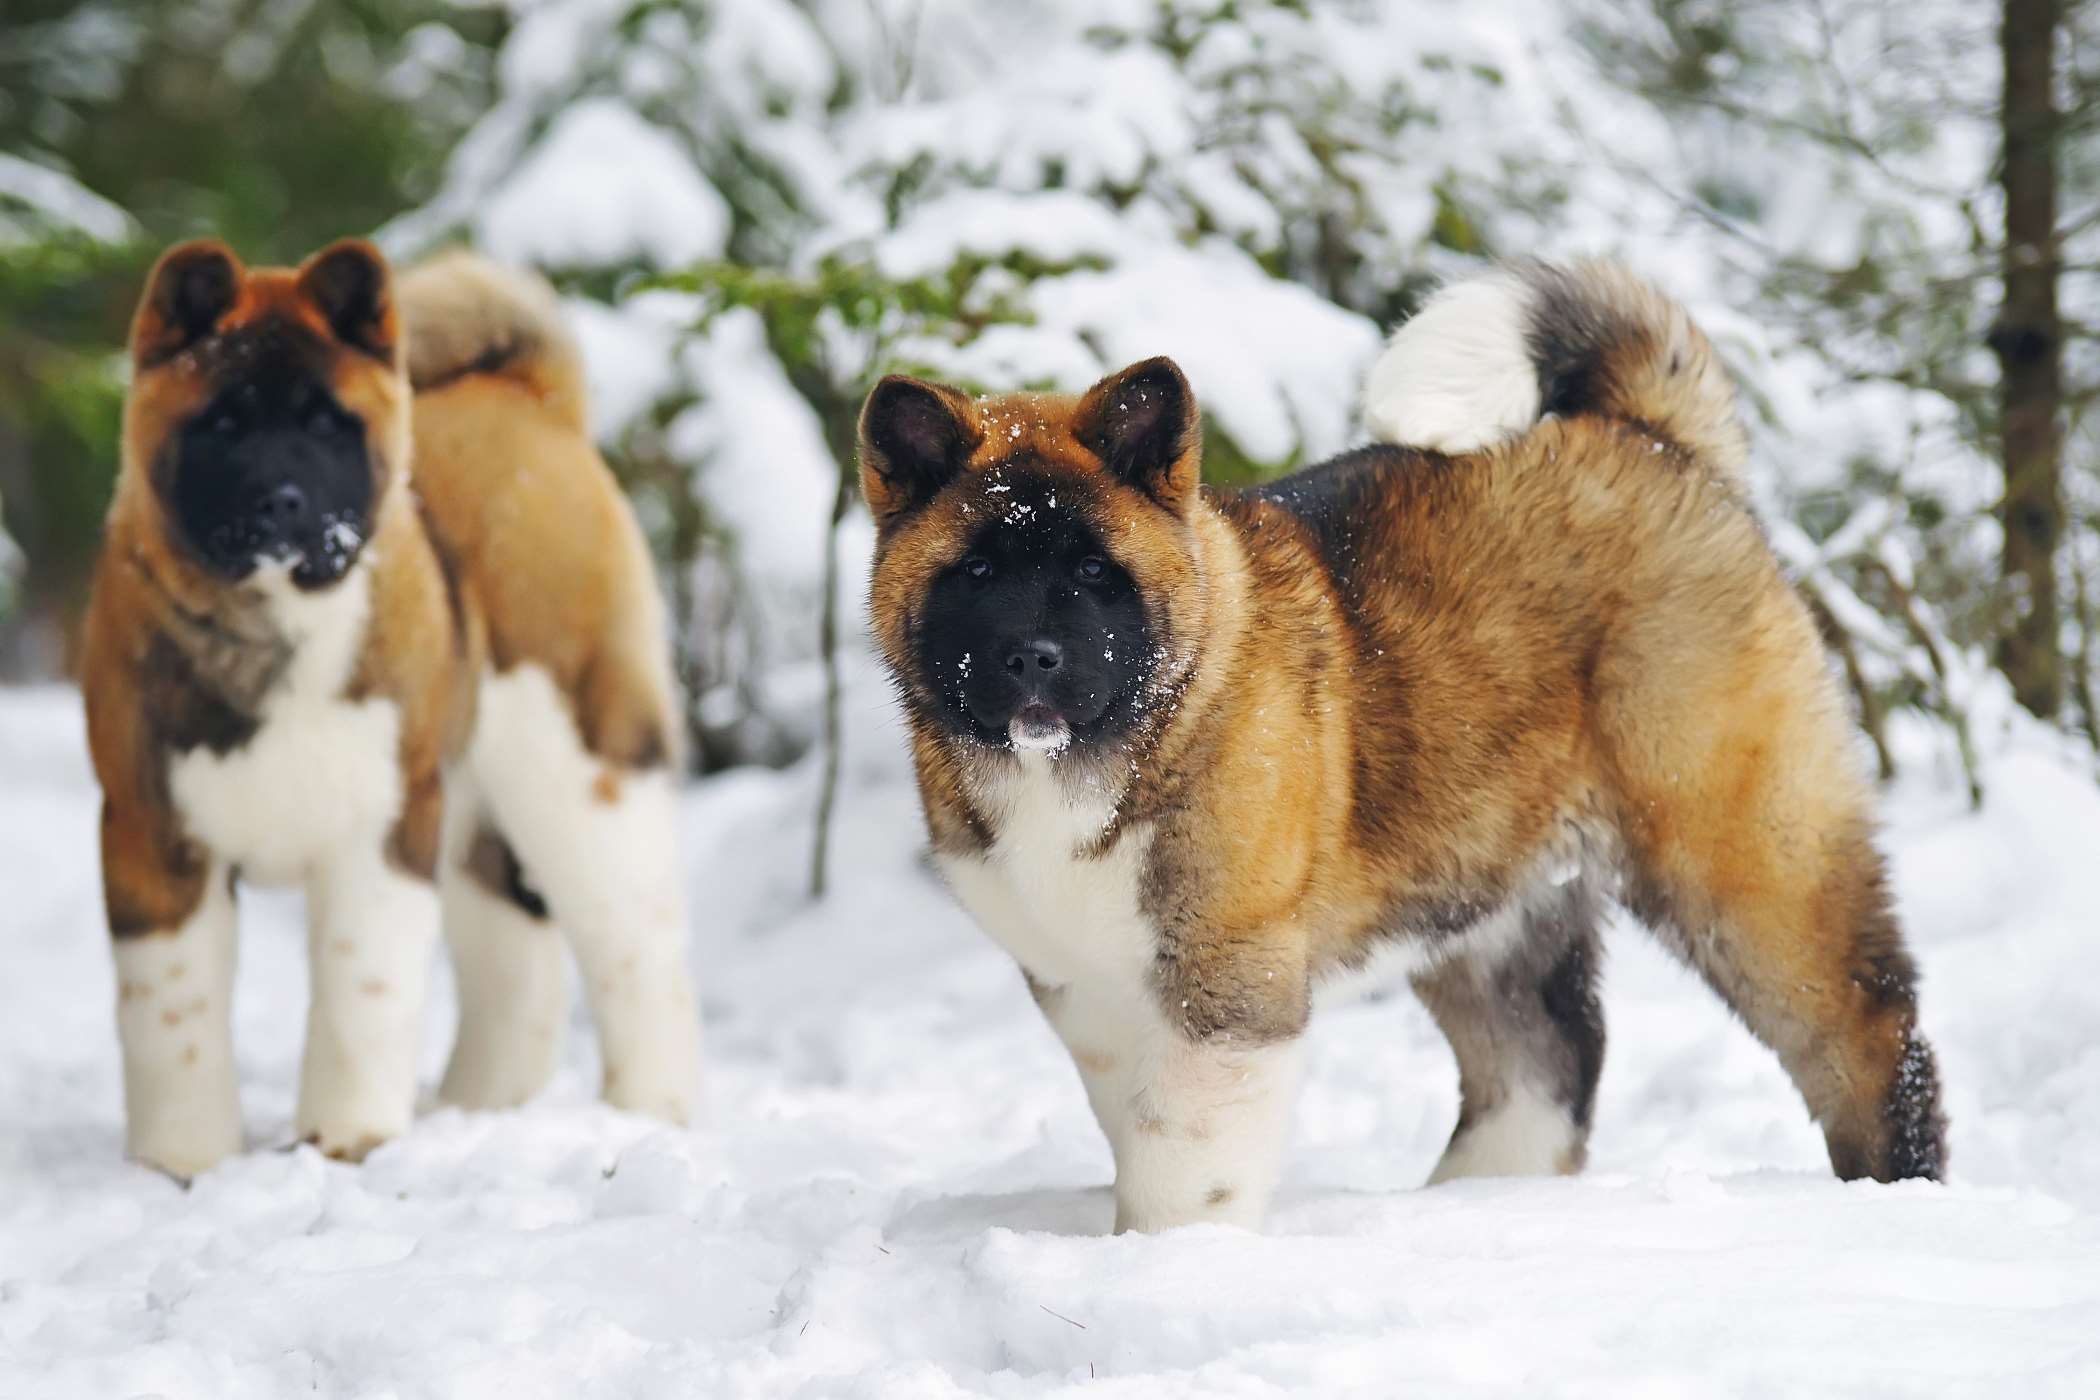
point(1093, 568)
point(977, 566)
point(321, 424)
point(224, 423)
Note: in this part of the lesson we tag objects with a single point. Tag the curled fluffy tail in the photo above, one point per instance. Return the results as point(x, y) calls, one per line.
point(1486, 358)
point(467, 316)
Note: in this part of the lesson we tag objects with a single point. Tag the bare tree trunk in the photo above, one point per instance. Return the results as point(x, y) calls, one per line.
point(2028, 341)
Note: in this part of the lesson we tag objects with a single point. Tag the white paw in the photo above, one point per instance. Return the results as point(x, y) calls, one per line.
point(351, 1132)
point(185, 1147)
point(1527, 1134)
point(665, 1086)
point(1220, 1203)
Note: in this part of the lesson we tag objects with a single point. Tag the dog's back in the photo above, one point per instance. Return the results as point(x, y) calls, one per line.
point(523, 508)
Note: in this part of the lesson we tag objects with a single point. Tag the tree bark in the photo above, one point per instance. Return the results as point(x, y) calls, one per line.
point(2028, 341)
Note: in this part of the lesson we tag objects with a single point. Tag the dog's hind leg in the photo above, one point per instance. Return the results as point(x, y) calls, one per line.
point(1528, 1030)
point(1748, 834)
point(1808, 954)
point(625, 916)
point(599, 842)
point(509, 964)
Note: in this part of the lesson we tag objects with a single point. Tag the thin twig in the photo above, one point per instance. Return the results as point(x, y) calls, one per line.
point(2082, 662)
point(1873, 716)
point(828, 642)
point(1958, 717)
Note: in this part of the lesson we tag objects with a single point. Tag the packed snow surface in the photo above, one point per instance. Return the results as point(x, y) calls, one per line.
point(899, 1191)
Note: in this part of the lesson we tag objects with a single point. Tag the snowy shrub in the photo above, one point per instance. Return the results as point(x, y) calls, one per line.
point(759, 207)
point(41, 210)
point(1008, 196)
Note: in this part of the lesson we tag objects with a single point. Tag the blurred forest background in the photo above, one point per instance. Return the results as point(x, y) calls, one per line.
point(1887, 212)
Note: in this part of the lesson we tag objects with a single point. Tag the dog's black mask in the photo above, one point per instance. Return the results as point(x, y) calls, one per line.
point(1037, 625)
point(273, 468)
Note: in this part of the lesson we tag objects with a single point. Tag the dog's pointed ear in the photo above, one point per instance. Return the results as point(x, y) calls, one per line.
point(189, 289)
point(914, 438)
point(349, 284)
point(1141, 422)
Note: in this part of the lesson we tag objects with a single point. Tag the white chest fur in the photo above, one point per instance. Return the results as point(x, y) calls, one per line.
point(319, 769)
point(1065, 915)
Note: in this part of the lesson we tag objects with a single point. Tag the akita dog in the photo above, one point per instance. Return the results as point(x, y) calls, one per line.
point(1187, 753)
point(372, 618)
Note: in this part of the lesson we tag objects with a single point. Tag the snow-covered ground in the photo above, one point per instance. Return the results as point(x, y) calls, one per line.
point(899, 1191)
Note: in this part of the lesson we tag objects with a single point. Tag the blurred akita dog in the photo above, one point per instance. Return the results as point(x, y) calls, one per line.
point(372, 618)
point(1187, 753)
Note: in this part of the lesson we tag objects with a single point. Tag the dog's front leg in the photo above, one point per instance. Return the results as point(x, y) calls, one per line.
point(171, 912)
point(372, 926)
point(1198, 1124)
point(1207, 1126)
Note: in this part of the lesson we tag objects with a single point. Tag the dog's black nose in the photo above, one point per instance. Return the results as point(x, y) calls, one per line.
point(1035, 656)
point(281, 505)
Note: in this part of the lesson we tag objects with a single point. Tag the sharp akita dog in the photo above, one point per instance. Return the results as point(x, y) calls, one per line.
point(373, 618)
point(1188, 753)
